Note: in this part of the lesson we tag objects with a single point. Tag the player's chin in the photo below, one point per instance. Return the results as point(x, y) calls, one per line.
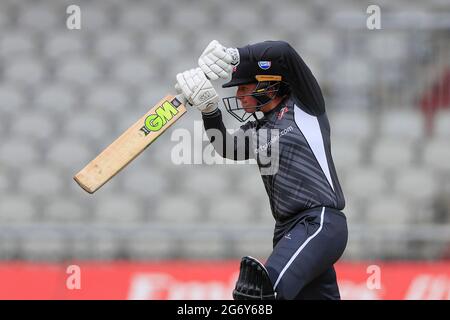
point(249, 109)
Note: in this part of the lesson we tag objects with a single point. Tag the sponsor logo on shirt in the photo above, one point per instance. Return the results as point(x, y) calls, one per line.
point(282, 112)
point(274, 139)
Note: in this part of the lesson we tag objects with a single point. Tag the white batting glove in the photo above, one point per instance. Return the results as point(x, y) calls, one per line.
point(198, 90)
point(217, 61)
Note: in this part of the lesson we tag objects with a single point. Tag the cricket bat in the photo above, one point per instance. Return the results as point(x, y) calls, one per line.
point(131, 143)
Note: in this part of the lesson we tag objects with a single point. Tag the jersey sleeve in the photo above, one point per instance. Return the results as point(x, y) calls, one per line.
point(236, 146)
point(303, 84)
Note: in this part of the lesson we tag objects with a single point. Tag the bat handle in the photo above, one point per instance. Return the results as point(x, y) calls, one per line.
point(182, 98)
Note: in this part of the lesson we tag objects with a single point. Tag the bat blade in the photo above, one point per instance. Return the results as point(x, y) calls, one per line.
point(130, 144)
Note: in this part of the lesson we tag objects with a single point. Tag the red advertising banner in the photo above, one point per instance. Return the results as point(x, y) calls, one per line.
point(174, 280)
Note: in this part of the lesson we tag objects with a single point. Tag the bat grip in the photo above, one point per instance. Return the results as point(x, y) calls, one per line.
point(181, 98)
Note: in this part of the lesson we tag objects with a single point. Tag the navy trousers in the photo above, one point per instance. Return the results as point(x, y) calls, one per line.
point(301, 264)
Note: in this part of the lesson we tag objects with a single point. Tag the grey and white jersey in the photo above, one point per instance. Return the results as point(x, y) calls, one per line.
point(305, 176)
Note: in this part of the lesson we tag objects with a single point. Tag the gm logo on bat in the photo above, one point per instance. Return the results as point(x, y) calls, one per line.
point(163, 114)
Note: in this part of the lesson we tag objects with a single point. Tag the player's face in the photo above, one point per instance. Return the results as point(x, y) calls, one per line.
point(244, 95)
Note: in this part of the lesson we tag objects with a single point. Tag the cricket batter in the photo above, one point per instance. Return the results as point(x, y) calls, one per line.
point(305, 196)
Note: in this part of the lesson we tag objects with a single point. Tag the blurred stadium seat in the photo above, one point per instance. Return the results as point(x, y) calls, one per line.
point(69, 153)
point(291, 13)
point(4, 20)
point(40, 181)
point(390, 153)
point(38, 17)
point(16, 44)
point(5, 183)
point(442, 126)
point(346, 155)
point(65, 210)
point(366, 183)
point(79, 70)
point(436, 152)
point(388, 47)
point(258, 245)
point(231, 210)
point(152, 244)
point(64, 44)
point(41, 125)
point(261, 207)
point(12, 99)
point(416, 184)
point(89, 127)
point(176, 209)
point(205, 181)
point(187, 16)
point(389, 211)
point(26, 71)
point(354, 211)
point(56, 99)
point(249, 183)
point(139, 18)
point(9, 247)
point(404, 125)
point(96, 17)
point(133, 71)
point(17, 209)
point(108, 98)
point(114, 46)
point(118, 209)
point(105, 245)
point(351, 124)
point(45, 246)
point(322, 44)
point(353, 74)
point(18, 153)
point(205, 245)
point(145, 182)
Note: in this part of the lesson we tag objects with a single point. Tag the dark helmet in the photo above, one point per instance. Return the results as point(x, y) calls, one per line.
point(251, 69)
point(267, 74)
